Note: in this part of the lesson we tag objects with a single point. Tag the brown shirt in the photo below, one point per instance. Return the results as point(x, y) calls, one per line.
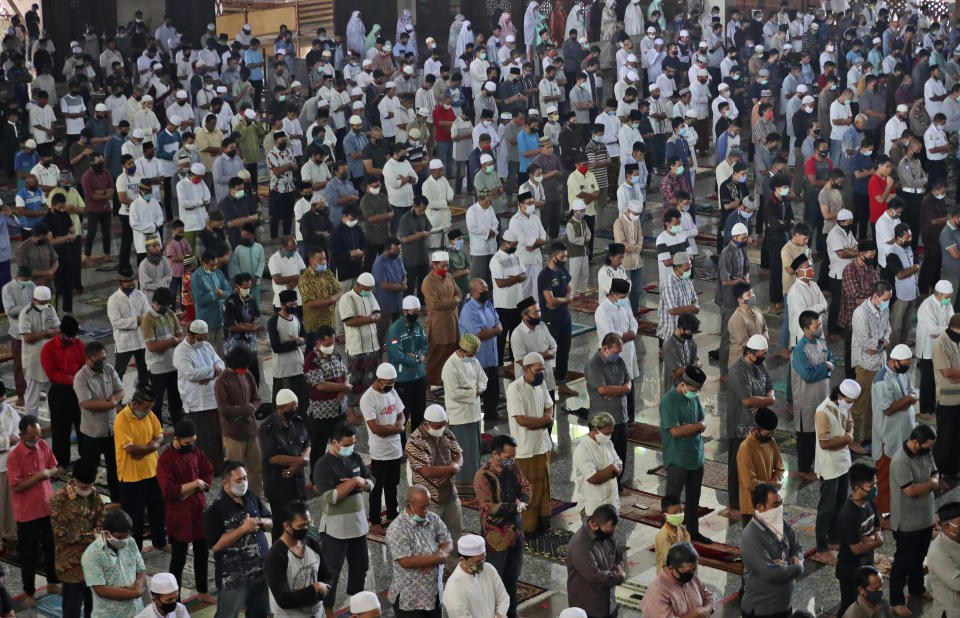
point(757, 463)
point(238, 399)
point(41, 257)
point(442, 297)
point(74, 520)
point(741, 327)
point(423, 450)
point(788, 254)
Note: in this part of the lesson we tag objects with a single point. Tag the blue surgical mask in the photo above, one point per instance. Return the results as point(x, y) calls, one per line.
point(613, 357)
point(746, 214)
point(940, 197)
point(320, 268)
point(680, 170)
point(346, 451)
point(418, 519)
point(868, 153)
point(690, 395)
point(884, 305)
point(621, 302)
point(634, 180)
point(682, 131)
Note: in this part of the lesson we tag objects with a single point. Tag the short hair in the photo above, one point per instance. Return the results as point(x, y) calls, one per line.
point(680, 554)
point(761, 492)
point(670, 214)
point(291, 511)
point(739, 289)
point(226, 470)
point(238, 357)
point(92, 348)
point(343, 430)
point(27, 421)
point(780, 180)
point(241, 278)
point(900, 229)
point(880, 288)
point(861, 472)
point(802, 229)
point(604, 514)
point(611, 339)
point(882, 160)
point(807, 317)
point(184, 429)
point(667, 501)
point(921, 433)
point(117, 521)
point(500, 442)
point(208, 256)
point(177, 223)
point(864, 573)
point(677, 121)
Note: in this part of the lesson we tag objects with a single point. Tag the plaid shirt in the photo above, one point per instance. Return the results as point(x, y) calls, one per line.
point(674, 292)
point(673, 184)
point(597, 152)
point(857, 281)
point(317, 368)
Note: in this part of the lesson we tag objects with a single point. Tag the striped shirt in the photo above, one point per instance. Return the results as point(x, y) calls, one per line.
point(674, 292)
point(667, 246)
point(597, 152)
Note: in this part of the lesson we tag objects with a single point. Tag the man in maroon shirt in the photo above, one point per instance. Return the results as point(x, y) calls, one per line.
point(61, 358)
point(98, 190)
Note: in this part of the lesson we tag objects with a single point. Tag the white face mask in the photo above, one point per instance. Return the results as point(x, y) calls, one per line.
point(244, 292)
point(350, 222)
point(602, 438)
point(436, 433)
point(190, 147)
point(632, 216)
point(373, 190)
point(326, 349)
point(531, 209)
point(538, 178)
point(845, 405)
point(239, 490)
point(773, 518)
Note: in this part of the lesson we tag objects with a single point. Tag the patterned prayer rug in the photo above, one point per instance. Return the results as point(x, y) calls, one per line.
point(719, 556)
point(526, 591)
point(714, 474)
point(556, 506)
point(629, 595)
point(644, 507)
point(550, 546)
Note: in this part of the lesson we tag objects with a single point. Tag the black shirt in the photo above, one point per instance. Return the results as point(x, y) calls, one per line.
point(331, 469)
point(214, 241)
point(233, 208)
point(853, 523)
point(241, 564)
point(277, 439)
point(378, 153)
point(557, 282)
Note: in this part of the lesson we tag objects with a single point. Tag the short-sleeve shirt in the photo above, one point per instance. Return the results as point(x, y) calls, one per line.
point(92, 386)
point(279, 439)
point(241, 564)
point(102, 566)
point(416, 589)
point(853, 523)
point(858, 163)
point(284, 267)
point(910, 513)
point(384, 409)
point(598, 372)
point(556, 281)
point(127, 430)
point(33, 502)
point(359, 339)
point(949, 237)
point(675, 410)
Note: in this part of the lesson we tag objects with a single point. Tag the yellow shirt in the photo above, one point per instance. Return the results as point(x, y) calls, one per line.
point(127, 430)
point(578, 183)
point(667, 537)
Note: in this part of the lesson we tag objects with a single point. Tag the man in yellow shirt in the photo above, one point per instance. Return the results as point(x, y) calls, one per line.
point(137, 436)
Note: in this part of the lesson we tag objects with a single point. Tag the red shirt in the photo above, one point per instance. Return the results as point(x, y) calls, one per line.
point(32, 503)
point(184, 518)
point(875, 189)
point(443, 133)
point(62, 360)
point(95, 182)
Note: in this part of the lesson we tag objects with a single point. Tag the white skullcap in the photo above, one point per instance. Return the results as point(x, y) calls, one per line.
point(582, 40)
point(943, 287)
point(247, 27)
point(738, 229)
point(533, 112)
point(358, 105)
point(408, 70)
point(509, 236)
point(390, 85)
point(163, 583)
point(802, 88)
point(658, 41)
point(100, 107)
point(578, 205)
point(901, 352)
point(691, 113)
point(573, 612)
point(146, 99)
point(490, 87)
point(631, 58)
point(654, 86)
point(440, 256)
point(632, 76)
point(423, 111)
point(386, 371)
point(156, 65)
point(903, 108)
point(181, 94)
point(436, 164)
point(506, 116)
point(807, 99)
point(787, 46)
point(280, 52)
point(198, 169)
point(409, 28)
point(356, 119)
point(326, 54)
point(552, 109)
point(411, 303)
point(435, 414)
point(651, 30)
point(844, 215)
point(211, 26)
point(757, 48)
point(757, 342)
point(532, 358)
point(684, 33)
point(137, 134)
point(511, 38)
point(635, 206)
point(326, 103)
point(876, 40)
point(249, 113)
point(78, 50)
point(174, 119)
point(363, 602)
point(367, 63)
point(471, 545)
point(223, 89)
point(703, 44)
point(850, 388)
point(485, 159)
point(30, 143)
point(723, 86)
point(199, 327)
point(41, 292)
point(356, 91)
point(366, 280)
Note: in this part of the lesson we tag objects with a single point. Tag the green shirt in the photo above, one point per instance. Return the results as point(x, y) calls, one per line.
point(459, 261)
point(249, 142)
point(676, 410)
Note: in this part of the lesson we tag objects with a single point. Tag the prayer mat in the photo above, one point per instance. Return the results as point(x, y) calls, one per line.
point(526, 591)
point(587, 303)
point(786, 441)
point(704, 274)
point(653, 288)
point(194, 605)
point(11, 555)
point(644, 507)
point(556, 506)
point(803, 522)
point(578, 329)
point(714, 474)
point(457, 211)
point(105, 268)
point(550, 546)
point(98, 301)
point(708, 210)
point(158, 561)
point(648, 436)
point(95, 330)
point(706, 238)
point(719, 556)
point(629, 595)
point(645, 327)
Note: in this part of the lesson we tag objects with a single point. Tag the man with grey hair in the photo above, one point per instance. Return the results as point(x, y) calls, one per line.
point(419, 544)
point(596, 467)
point(608, 386)
point(662, 597)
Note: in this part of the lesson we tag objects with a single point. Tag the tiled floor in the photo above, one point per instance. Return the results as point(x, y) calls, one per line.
point(817, 590)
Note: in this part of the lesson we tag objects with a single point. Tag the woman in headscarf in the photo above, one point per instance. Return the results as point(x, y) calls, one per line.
point(608, 23)
point(655, 5)
point(371, 38)
point(356, 33)
point(558, 19)
point(530, 19)
point(506, 26)
point(453, 36)
point(577, 20)
point(465, 36)
point(405, 24)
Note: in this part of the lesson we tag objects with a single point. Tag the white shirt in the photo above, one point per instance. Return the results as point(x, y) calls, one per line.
point(399, 195)
point(589, 457)
point(504, 266)
point(838, 239)
point(838, 111)
point(281, 266)
point(832, 464)
point(47, 176)
point(193, 200)
point(906, 288)
point(123, 311)
point(528, 230)
point(933, 88)
point(490, 129)
point(152, 169)
point(387, 106)
point(117, 107)
point(932, 321)
point(611, 131)
point(461, 383)
point(145, 219)
point(526, 400)
point(547, 89)
point(892, 132)
point(196, 363)
point(384, 409)
point(805, 296)
point(700, 98)
point(360, 339)
point(475, 596)
point(480, 221)
point(934, 137)
point(44, 117)
point(71, 104)
point(884, 230)
point(613, 319)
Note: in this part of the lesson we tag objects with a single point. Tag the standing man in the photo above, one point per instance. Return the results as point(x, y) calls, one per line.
point(237, 392)
point(532, 335)
point(61, 358)
point(162, 333)
point(76, 512)
point(942, 561)
point(596, 467)
point(478, 317)
point(284, 453)
point(595, 564)
point(615, 316)
point(733, 268)
point(406, 344)
point(682, 421)
point(554, 295)
point(382, 411)
point(298, 578)
point(530, 237)
point(114, 568)
point(811, 364)
point(17, 296)
point(858, 530)
point(483, 227)
point(99, 393)
point(38, 325)
point(464, 383)
point(869, 337)
point(475, 588)
point(758, 460)
point(772, 556)
point(507, 275)
point(359, 310)
point(608, 386)
point(893, 398)
point(287, 337)
point(198, 368)
point(125, 309)
point(442, 297)
point(530, 409)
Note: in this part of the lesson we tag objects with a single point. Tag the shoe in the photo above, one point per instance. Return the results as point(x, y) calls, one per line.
point(696, 537)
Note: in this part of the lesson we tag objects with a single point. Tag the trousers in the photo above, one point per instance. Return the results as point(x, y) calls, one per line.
point(31, 535)
point(178, 559)
point(91, 450)
point(508, 564)
point(64, 417)
point(76, 596)
point(144, 495)
point(248, 453)
point(833, 493)
point(166, 383)
point(354, 551)
point(907, 567)
point(140, 357)
point(687, 482)
point(386, 474)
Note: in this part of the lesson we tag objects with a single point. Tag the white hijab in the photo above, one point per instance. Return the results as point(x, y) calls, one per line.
point(530, 18)
point(356, 33)
point(466, 36)
point(407, 20)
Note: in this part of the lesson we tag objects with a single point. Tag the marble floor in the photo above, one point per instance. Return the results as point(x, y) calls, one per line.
point(816, 591)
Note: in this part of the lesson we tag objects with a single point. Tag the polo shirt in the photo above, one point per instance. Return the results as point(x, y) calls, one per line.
point(858, 163)
point(127, 430)
point(556, 281)
point(910, 513)
point(34, 502)
point(389, 270)
point(527, 141)
point(599, 372)
point(92, 386)
point(675, 410)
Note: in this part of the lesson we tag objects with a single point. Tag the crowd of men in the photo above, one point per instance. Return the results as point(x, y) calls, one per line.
point(385, 299)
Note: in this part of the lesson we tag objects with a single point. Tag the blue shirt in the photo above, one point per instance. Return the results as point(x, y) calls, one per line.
point(5, 224)
point(336, 189)
point(858, 163)
point(475, 317)
point(164, 139)
point(112, 151)
point(732, 220)
point(33, 202)
point(526, 141)
point(390, 270)
point(24, 162)
point(253, 56)
point(354, 142)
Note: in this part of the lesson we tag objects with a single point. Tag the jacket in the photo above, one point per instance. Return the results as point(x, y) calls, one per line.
point(767, 584)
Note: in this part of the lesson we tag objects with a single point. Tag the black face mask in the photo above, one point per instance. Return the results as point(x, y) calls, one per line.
point(686, 336)
point(483, 296)
point(872, 262)
point(762, 439)
point(185, 448)
point(954, 336)
point(533, 321)
point(758, 361)
point(387, 388)
point(97, 168)
point(510, 250)
point(98, 366)
point(683, 578)
point(902, 368)
point(246, 242)
point(178, 237)
point(168, 608)
point(922, 451)
point(299, 533)
point(601, 535)
point(410, 317)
